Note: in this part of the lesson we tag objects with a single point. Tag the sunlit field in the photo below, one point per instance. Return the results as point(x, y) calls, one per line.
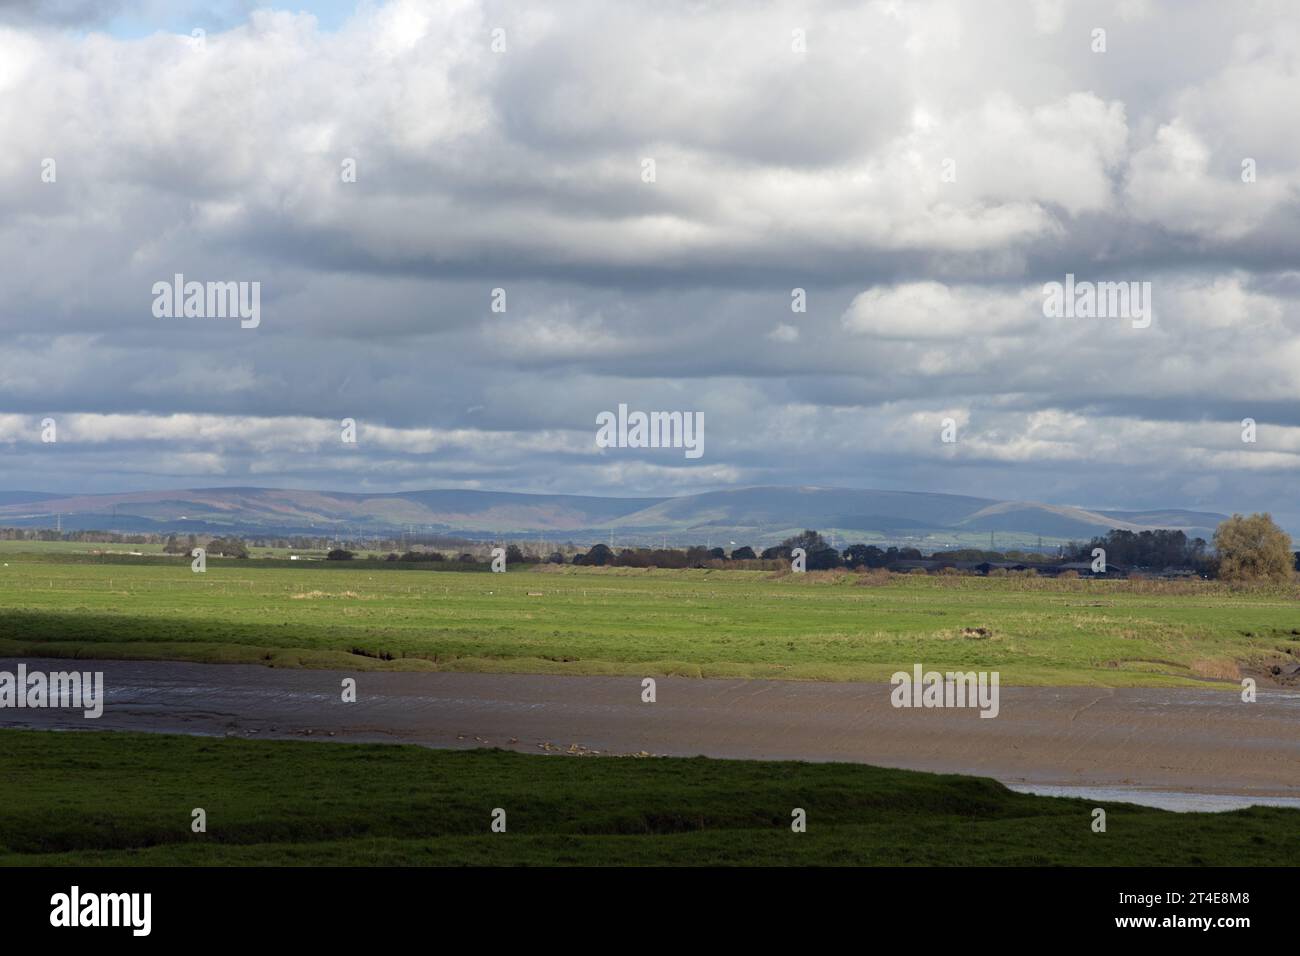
point(828, 626)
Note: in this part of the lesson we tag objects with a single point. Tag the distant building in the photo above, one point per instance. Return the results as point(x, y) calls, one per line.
point(1084, 569)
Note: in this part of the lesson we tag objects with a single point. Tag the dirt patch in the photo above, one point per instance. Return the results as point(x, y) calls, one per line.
point(1124, 661)
point(811, 577)
point(876, 577)
point(1274, 672)
point(1216, 668)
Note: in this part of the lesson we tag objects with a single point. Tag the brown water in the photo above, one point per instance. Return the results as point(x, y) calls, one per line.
point(1179, 741)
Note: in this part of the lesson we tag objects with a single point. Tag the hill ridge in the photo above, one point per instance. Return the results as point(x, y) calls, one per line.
point(757, 514)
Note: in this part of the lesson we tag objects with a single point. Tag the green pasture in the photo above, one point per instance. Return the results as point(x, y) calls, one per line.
point(88, 798)
point(636, 622)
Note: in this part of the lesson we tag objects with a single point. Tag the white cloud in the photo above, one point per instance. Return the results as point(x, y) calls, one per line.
point(822, 170)
point(931, 310)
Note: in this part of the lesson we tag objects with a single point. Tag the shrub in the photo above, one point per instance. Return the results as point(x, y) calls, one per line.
point(1253, 549)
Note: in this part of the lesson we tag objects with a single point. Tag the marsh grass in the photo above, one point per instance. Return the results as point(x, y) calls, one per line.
point(125, 799)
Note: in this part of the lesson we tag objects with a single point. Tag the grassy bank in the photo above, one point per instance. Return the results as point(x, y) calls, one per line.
point(696, 623)
point(115, 798)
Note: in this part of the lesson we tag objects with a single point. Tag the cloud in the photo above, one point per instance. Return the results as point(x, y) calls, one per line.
point(921, 170)
point(931, 310)
point(59, 12)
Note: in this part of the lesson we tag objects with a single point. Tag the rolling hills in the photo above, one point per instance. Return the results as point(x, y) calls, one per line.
point(752, 515)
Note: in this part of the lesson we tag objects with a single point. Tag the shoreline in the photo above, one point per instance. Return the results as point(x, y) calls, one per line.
point(1175, 740)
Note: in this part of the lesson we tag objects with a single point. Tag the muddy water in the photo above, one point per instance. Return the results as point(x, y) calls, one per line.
point(1163, 799)
point(1178, 741)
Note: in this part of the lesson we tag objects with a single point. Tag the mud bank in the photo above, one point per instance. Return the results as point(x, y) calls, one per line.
point(1184, 740)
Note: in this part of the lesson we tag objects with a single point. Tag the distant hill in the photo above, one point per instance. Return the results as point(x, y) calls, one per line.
point(745, 515)
point(807, 507)
point(22, 497)
point(1169, 518)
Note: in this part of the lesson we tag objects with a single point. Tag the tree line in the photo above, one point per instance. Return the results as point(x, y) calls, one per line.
point(1245, 548)
point(1147, 549)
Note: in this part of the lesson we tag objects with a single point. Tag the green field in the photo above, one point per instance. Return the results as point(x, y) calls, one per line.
point(91, 798)
point(70, 548)
point(117, 798)
point(636, 622)
point(8, 547)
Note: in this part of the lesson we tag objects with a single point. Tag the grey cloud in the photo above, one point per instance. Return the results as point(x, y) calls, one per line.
point(775, 170)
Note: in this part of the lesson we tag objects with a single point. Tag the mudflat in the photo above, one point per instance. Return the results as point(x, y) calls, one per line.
point(1198, 741)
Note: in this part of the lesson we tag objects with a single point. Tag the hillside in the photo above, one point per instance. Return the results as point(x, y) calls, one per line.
point(752, 515)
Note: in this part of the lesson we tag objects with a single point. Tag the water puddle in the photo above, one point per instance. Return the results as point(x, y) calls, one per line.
point(1161, 799)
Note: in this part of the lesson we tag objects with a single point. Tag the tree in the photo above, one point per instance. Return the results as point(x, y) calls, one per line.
point(697, 555)
point(599, 555)
point(820, 555)
point(227, 548)
point(1145, 549)
point(745, 553)
point(411, 557)
point(823, 559)
point(809, 540)
point(864, 556)
point(338, 554)
point(1253, 549)
point(668, 558)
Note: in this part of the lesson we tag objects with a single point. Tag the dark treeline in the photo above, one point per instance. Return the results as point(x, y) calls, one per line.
point(1147, 549)
point(90, 537)
point(602, 555)
point(1144, 552)
point(820, 556)
point(514, 555)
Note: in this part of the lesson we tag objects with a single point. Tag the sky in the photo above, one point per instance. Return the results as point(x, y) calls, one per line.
point(653, 187)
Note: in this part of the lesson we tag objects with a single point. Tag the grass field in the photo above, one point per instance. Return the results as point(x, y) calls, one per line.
point(122, 799)
point(606, 621)
point(118, 798)
point(8, 547)
point(70, 548)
